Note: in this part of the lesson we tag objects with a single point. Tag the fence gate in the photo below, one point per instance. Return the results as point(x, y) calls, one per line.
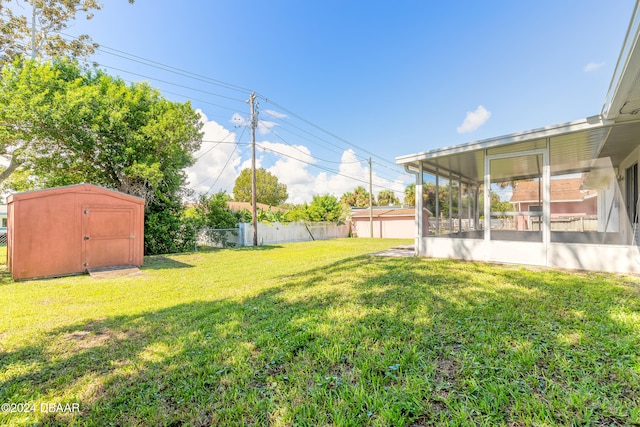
point(108, 236)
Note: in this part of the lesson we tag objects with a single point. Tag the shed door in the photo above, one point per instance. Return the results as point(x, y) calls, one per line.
point(108, 236)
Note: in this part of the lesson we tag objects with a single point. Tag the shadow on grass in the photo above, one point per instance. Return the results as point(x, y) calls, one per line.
point(5, 276)
point(160, 262)
point(257, 248)
point(363, 341)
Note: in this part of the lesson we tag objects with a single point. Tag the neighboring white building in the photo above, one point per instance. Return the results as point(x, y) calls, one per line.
point(603, 149)
point(3, 215)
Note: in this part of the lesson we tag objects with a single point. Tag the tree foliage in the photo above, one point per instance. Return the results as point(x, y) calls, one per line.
point(214, 219)
point(212, 211)
point(326, 208)
point(28, 92)
point(268, 190)
point(48, 18)
point(387, 198)
point(166, 227)
point(97, 129)
point(63, 125)
point(359, 198)
point(429, 198)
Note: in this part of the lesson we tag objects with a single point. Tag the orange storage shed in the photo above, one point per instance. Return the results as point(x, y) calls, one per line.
point(67, 230)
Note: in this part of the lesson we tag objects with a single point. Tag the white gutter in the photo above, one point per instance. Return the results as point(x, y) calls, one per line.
point(620, 86)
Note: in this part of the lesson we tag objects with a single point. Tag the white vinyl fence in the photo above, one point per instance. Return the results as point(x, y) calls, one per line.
point(270, 234)
point(293, 232)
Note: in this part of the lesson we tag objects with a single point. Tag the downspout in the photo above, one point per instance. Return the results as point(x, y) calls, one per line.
point(450, 204)
point(459, 204)
point(419, 208)
point(437, 203)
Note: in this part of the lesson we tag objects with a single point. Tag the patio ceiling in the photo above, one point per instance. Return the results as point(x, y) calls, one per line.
point(571, 145)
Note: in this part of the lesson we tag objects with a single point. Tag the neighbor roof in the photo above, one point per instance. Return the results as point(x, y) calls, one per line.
point(238, 206)
point(386, 212)
point(562, 190)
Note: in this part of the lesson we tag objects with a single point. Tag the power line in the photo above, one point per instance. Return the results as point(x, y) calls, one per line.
point(325, 131)
point(223, 168)
point(214, 146)
point(307, 154)
point(185, 73)
point(170, 83)
point(237, 144)
point(323, 168)
point(172, 69)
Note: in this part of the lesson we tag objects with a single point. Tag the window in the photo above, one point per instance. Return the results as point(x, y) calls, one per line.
point(631, 185)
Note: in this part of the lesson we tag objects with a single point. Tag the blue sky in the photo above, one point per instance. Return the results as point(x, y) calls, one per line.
point(344, 80)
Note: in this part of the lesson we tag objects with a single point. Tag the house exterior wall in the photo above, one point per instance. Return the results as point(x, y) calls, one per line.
point(50, 233)
point(387, 227)
point(569, 208)
point(633, 157)
point(611, 215)
point(611, 258)
point(587, 207)
point(3, 215)
point(630, 160)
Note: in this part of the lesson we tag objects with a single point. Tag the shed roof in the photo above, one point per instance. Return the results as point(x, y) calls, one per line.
point(238, 206)
point(76, 188)
point(384, 212)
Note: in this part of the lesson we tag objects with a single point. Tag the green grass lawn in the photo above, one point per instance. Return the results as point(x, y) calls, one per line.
point(319, 333)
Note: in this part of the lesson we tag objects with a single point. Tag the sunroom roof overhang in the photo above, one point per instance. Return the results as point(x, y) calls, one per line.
point(570, 146)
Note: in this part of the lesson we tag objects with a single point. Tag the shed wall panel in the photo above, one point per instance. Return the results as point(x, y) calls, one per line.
point(47, 231)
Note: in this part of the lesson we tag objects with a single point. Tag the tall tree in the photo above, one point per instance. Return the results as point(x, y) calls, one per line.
point(326, 208)
point(36, 33)
point(268, 190)
point(213, 211)
point(27, 94)
point(348, 199)
point(123, 136)
point(359, 197)
point(63, 125)
point(387, 198)
point(410, 194)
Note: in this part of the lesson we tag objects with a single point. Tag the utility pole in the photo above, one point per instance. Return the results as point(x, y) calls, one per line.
point(254, 210)
point(370, 199)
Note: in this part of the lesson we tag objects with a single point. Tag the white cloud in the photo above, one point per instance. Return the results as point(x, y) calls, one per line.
point(293, 165)
point(275, 114)
point(292, 169)
point(212, 157)
point(264, 126)
point(350, 168)
point(474, 119)
point(238, 120)
point(592, 66)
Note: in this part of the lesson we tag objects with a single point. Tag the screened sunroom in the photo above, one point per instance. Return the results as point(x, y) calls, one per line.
point(470, 191)
point(559, 196)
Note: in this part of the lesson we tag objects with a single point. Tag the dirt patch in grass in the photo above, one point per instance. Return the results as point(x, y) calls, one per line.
point(446, 370)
